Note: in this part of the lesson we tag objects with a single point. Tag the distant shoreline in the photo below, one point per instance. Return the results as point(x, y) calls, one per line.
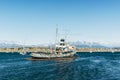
point(46, 49)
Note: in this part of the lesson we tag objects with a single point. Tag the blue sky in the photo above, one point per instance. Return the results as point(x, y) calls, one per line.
point(34, 21)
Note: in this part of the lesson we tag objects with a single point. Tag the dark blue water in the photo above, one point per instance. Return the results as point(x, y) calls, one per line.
point(90, 66)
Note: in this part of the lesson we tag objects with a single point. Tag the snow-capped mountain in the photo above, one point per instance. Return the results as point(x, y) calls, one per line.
point(85, 44)
point(9, 44)
point(79, 44)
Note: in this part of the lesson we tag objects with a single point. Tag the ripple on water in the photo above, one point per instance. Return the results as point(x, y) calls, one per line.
point(2, 66)
point(89, 67)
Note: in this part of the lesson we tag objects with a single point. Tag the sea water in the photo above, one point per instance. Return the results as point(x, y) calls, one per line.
point(89, 66)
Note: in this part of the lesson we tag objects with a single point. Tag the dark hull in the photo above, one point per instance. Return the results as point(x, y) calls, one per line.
point(55, 58)
point(51, 57)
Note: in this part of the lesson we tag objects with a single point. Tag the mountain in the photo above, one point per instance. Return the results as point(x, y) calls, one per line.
point(84, 44)
point(78, 44)
point(9, 44)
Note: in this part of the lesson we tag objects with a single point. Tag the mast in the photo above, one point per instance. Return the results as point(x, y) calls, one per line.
point(90, 47)
point(24, 51)
point(56, 38)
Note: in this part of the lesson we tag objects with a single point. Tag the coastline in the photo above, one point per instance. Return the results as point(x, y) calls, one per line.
point(46, 49)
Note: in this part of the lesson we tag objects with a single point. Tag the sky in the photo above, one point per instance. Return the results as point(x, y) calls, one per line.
point(35, 21)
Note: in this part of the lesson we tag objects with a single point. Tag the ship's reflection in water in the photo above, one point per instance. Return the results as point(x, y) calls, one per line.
point(95, 66)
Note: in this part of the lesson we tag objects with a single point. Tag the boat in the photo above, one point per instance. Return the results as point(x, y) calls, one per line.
point(22, 53)
point(60, 50)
